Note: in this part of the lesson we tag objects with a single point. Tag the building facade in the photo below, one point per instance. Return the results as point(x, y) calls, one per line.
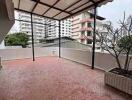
point(82, 27)
point(78, 27)
point(25, 27)
point(43, 27)
point(52, 29)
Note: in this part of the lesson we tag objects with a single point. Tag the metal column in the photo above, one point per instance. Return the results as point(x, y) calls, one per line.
point(45, 27)
point(32, 37)
point(94, 37)
point(59, 39)
point(45, 32)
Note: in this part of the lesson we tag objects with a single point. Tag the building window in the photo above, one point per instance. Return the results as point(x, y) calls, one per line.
point(89, 41)
point(89, 24)
point(83, 33)
point(82, 40)
point(83, 25)
point(88, 33)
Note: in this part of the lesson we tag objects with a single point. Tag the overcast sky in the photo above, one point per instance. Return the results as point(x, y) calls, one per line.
point(114, 11)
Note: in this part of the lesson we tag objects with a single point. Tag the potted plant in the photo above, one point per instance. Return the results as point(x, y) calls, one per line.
point(118, 43)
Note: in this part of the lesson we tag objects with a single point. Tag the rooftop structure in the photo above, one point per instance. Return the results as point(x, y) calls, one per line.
point(55, 77)
point(57, 10)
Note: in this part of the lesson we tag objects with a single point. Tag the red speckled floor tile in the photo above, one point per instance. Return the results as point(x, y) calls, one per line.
point(51, 78)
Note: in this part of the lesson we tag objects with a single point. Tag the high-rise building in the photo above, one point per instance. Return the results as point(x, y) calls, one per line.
point(66, 28)
point(43, 27)
point(25, 27)
point(82, 27)
point(78, 27)
point(52, 30)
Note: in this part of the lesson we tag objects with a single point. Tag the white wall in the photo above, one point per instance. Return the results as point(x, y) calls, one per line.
point(103, 61)
point(9, 54)
point(81, 56)
point(2, 45)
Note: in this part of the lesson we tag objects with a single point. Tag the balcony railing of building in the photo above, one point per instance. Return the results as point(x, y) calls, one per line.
point(86, 29)
point(87, 20)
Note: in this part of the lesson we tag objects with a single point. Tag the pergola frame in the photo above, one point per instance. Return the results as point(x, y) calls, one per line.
point(70, 13)
point(32, 37)
point(32, 32)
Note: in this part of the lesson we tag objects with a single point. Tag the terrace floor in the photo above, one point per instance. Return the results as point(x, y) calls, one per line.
point(51, 78)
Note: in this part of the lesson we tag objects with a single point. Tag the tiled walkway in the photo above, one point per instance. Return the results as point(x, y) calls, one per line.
point(50, 78)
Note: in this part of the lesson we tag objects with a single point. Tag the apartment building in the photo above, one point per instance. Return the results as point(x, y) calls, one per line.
point(82, 27)
point(41, 31)
point(78, 27)
point(52, 30)
point(66, 28)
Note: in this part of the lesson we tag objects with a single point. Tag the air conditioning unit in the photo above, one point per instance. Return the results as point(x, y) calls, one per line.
point(6, 17)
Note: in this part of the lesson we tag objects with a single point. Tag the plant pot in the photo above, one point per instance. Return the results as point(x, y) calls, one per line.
point(119, 82)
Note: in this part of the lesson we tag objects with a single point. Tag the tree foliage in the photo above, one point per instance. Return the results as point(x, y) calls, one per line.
point(17, 39)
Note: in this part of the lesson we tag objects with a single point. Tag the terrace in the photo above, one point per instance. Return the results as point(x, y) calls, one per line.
point(52, 78)
point(56, 73)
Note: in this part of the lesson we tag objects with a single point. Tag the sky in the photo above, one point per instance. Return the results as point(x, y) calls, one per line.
point(114, 11)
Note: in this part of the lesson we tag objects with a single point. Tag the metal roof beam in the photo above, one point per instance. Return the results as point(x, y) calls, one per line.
point(79, 6)
point(92, 1)
point(35, 6)
point(68, 7)
point(19, 4)
point(96, 4)
point(52, 7)
point(35, 14)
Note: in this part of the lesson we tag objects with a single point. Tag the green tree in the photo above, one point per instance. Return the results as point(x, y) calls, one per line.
point(17, 39)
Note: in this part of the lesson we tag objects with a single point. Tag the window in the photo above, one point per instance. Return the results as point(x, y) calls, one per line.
point(83, 25)
point(89, 24)
point(88, 33)
point(89, 41)
point(82, 40)
point(83, 32)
